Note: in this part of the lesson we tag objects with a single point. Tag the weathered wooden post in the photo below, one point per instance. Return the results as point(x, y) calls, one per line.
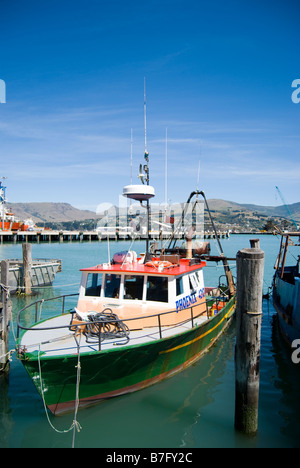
point(5, 317)
point(27, 265)
point(250, 270)
point(254, 243)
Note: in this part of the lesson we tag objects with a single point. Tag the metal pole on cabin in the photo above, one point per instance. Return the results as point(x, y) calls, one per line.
point(5, 316)
point(250, 270)
point(27, 264)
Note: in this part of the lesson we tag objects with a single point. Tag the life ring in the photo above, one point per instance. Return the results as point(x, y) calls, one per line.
point(159, 264)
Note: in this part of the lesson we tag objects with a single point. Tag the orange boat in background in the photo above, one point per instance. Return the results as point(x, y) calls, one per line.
point(11, 224)
point(8, 222)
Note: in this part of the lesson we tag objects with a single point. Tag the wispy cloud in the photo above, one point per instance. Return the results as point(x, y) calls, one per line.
point(86, 144)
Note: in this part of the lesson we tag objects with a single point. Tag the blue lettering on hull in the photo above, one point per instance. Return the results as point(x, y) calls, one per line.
point(189, 300)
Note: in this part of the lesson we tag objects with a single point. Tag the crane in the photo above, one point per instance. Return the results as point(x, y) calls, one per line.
point(288, 210)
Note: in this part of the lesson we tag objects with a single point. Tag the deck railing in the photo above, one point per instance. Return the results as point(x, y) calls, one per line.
point(37, 306)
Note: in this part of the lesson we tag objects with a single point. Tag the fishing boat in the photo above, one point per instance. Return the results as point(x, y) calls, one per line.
point(286, 286)
point(138, 319)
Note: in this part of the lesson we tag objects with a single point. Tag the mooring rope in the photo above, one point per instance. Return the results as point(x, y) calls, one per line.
point(75, 424)
point(41, 305)
point(9, 354)
point(5, 288)
point(56, 286)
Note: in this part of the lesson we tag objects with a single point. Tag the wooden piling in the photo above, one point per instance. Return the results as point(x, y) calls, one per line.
point(250, 270)
point(5, 318)
point(254, 243)
point(27, 265)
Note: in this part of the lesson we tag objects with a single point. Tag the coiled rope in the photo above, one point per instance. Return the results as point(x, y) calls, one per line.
point(106, 325)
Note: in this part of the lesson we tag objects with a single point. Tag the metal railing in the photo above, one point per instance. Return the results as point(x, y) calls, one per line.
point(78, 326)
point(36, 305)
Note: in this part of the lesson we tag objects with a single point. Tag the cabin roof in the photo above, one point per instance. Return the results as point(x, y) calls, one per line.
point(140, 268)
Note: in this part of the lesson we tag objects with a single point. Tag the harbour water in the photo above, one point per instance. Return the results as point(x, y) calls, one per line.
point(194, 409)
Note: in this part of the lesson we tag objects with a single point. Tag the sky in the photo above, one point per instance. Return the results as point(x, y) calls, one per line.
point(219, 105)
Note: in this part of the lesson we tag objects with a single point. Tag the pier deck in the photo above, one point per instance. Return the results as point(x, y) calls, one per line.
point(79, 236)
point(42, 273)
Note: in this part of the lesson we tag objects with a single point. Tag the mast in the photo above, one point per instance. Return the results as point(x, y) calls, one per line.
point(166, 172)
point(146, 168)
point(131, 144)
point(145, 118)
point(142, 192)
point(131, 147)
point(146, 154)
point(2, 200)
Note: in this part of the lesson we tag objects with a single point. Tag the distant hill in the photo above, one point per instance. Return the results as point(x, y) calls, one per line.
point(50, 212)
point(223, 205)
point(277, 210)
point(64, 212)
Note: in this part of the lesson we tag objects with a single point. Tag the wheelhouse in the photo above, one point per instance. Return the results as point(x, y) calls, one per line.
point(138, 289)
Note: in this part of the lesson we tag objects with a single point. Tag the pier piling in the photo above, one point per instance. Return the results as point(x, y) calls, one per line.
point(250, 270)
point(5, 317)
point(27, 265)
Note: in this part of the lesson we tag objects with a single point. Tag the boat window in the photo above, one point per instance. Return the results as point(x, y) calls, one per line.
point(193, 282)
point(179, 286)
point(93, 284)
point(112, 286)
point(199, 277)
point(133, 287)
point(157, 288)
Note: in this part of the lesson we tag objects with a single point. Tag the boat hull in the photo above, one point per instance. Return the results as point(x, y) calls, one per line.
point(108, 373)
point(286, 300)
point(14, 226)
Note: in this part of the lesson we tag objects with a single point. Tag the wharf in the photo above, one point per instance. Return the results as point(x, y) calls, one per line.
point(42, 273)
point(47, 236)
point(81, 236)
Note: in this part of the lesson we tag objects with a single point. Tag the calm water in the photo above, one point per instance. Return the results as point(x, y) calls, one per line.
point(191, 410)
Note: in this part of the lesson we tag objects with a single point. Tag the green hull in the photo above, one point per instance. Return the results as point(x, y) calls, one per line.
point(108, 373)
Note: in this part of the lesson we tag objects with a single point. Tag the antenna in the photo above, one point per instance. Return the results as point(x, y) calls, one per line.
point(108, 249)
point(144, 170)
point(131, 143)
point(166, 171)
point(198, 176)
point(141, 192)
point(131, 146)
point(198, 179)
point(145, 116)
point(2, 199)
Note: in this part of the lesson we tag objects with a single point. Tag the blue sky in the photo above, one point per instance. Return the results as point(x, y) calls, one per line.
point(218, 78)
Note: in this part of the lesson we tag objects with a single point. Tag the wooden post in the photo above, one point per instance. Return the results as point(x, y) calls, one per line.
point(5, 317)
point(254, 243)
point(250, 270)
point(27, 264)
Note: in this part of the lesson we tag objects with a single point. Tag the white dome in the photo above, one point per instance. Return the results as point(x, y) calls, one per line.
point(139, 192)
